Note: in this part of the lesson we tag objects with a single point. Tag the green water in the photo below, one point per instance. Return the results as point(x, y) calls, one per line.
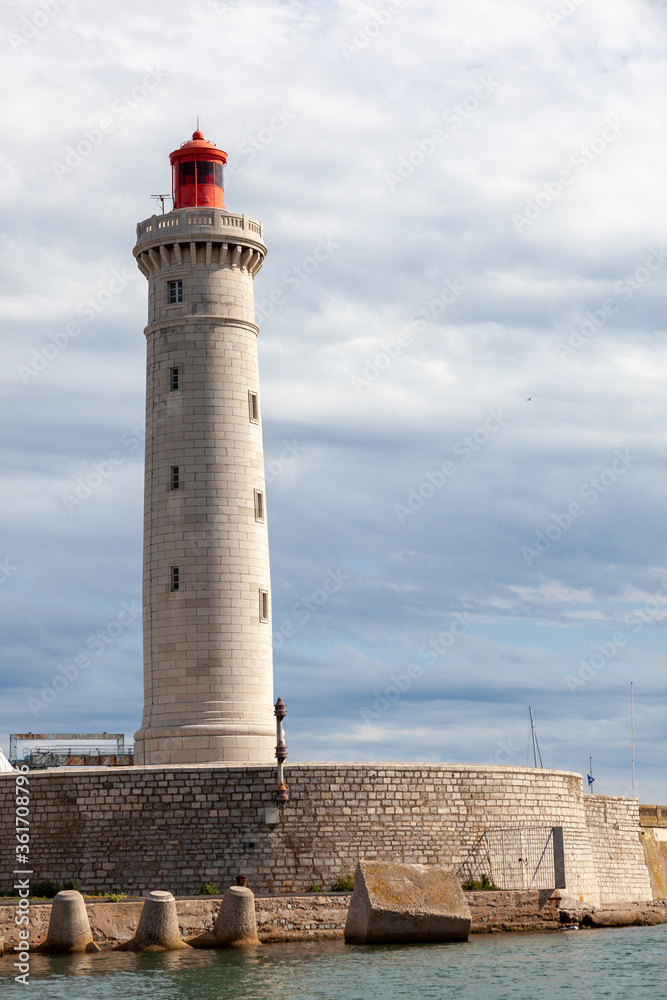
point(627, 963)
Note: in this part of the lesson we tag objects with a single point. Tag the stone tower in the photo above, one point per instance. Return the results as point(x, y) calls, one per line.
point(208, 669)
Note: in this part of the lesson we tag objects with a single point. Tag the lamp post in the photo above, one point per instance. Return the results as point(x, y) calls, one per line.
point(280, 712)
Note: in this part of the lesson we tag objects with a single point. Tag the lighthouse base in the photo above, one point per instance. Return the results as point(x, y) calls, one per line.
point(205, 744)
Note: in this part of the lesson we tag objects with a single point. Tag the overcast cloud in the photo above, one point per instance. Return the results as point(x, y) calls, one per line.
point(464, 403)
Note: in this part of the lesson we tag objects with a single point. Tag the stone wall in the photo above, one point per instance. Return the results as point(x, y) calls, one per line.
point(140, 828)
point(317, 917)
point(279, 918)
point(616, 846)
point(282, 918)
point(653, 821)
point(653, 816)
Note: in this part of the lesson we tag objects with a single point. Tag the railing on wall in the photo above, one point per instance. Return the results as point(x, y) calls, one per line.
point(72, 753)
point(518, 857)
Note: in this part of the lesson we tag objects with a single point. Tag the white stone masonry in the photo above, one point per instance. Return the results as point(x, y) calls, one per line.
point(208, 669)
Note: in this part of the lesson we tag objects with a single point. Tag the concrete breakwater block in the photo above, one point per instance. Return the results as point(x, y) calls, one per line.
point(236, 924)
point(403, 903)
point(158, 928)
point(69, 927)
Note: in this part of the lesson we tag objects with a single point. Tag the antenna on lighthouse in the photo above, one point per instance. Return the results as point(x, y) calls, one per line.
point(160, 198)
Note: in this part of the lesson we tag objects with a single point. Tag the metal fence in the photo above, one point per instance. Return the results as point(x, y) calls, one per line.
point(519, 857)
point(79, 750)
point(45, 757)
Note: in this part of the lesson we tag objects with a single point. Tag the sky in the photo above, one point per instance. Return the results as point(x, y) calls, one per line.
point(462, 357)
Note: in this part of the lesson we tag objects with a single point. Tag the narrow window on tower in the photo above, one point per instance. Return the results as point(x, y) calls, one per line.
point(259, 506)
point(175, 477)
point(175, 579)
point(174, 380)
point(264, 605)
point(253, 407)
point(175, 291)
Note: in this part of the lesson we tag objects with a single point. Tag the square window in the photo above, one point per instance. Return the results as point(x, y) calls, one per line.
point(259, 506)
point(175, 477)
point(174, 379)
point(175, 291)
point(253, 407)
point(175, 579)
point(264, 605)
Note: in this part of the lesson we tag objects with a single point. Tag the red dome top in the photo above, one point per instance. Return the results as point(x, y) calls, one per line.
point(197, 173)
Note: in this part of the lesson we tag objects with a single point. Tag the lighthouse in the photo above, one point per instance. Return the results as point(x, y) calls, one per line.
point(208, 669)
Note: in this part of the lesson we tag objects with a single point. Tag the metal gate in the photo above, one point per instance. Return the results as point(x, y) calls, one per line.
point(518, 857)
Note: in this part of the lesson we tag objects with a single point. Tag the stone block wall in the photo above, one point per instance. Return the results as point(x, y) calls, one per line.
point(281, 918)
point(616, 847)
point(653, 820)
point(208, 659)
point(140, 828)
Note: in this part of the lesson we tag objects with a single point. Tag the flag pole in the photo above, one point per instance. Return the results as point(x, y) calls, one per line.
point(590, 775)
point(536, 746)
point(632, 730)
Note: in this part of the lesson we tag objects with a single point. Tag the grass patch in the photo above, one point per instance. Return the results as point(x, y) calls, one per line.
point(484, 884)
point(343, 883)
point(209, 890)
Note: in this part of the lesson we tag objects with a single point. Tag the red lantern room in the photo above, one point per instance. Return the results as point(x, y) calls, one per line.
point(197, 174)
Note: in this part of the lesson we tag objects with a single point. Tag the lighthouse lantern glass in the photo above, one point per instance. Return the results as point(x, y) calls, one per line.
point(198, 174)
point(205, 172)
point(188, 172)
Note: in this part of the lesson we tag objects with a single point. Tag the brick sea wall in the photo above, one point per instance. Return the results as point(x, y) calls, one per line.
point(140, 828)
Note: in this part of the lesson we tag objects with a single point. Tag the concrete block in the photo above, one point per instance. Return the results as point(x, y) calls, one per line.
point(69, 927)
point(158, 925)
point(401, 903)
point(236, 924)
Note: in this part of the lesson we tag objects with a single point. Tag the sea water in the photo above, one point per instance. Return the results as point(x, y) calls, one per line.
point(625, 963)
